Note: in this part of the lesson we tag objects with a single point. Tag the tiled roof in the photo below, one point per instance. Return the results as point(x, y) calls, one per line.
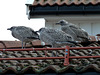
point(17, 44)
point(37, 43)
point(39, 66)
point(67, 2)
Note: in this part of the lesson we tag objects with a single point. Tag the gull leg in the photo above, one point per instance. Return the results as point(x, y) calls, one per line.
point(22, 44)
point(52, 51)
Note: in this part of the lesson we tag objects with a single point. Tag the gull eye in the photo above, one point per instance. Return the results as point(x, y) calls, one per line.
point(61, 22)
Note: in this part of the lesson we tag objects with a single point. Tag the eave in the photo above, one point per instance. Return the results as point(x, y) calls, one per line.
point(64, 10)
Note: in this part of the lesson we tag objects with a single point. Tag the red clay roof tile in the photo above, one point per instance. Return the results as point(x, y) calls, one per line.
point(78, 65)
point(37, 43)
point(17, 44)
point(67, 2)
point(44, 65)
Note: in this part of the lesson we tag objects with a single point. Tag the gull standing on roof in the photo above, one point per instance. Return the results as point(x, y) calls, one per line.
point(55, 38)
point(76, 32)
point(24, 34)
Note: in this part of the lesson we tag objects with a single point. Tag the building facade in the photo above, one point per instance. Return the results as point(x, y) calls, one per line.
point(84, 13)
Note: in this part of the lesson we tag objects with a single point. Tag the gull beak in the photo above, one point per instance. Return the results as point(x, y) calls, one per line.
point(8, 28)
point(57, 23)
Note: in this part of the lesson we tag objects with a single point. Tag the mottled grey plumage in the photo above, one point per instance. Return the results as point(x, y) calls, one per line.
point(55, 37)
point(24, 34)
point(76, 32)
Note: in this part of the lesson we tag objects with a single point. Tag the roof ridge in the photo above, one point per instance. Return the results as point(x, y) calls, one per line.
point(67, 2)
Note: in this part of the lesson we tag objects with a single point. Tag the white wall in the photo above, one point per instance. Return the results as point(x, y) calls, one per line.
point(87, 27)
point(96, 28)
point(52, 25)
point(92, 28)
point(91, 23)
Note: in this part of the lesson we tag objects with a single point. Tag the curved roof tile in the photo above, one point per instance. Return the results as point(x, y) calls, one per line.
point(21, 66)
point(56, 65)
point(67, 2)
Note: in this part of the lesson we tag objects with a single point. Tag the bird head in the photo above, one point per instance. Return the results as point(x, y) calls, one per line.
point(41, 30)
point(62, 22)
point(11, 28)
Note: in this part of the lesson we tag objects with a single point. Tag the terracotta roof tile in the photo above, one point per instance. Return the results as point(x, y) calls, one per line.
point(21, 66)
point(37, 43)
point(94, 38)
point(17, 44)
point(67, 2)
point(43, 66)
